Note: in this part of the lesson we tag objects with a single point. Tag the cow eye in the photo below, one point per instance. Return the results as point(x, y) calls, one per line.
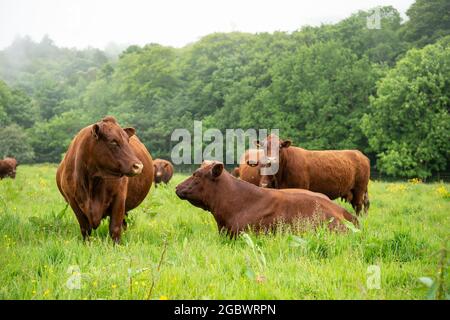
point(114, 143)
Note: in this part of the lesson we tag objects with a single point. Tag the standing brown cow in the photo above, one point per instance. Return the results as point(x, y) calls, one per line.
point(335, 173)
point(106, 171)
point(237, 204)
point(163, 171)
point(8, 167)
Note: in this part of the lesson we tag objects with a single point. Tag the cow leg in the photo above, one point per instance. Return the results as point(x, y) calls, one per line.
point(366, 202)
point(124, 224)
point(117, 219)
point(85, 226)
point(357, 202)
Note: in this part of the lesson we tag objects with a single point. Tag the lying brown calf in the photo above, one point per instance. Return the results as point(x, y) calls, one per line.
point(237, 205)
point(8, 168)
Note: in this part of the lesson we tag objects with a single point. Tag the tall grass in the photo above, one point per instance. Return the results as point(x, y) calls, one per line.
point(172, 250)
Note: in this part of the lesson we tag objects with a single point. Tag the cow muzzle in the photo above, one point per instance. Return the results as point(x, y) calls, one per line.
point(180, 193)
point(136, 169)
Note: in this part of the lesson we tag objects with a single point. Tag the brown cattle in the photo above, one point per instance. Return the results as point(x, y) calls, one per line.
point(335, 173)
point(249, 166)
point(235, 172)
point(237, 205)
point(106, 171)
point(163, 171)
point(8, 167)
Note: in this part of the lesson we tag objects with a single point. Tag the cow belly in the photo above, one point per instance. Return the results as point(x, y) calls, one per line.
point(333, 188)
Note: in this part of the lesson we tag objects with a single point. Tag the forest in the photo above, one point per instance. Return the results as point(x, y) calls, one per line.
point(384, 91)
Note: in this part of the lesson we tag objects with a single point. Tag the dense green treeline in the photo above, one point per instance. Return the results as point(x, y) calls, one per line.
point(384, 90)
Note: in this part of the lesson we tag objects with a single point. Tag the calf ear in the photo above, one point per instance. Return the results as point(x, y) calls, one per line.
point(216, 170)
point(285, 144)
point(130, 131)
point(95, 131)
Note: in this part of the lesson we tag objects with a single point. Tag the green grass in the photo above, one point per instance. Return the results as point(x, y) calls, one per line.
point(407, 225)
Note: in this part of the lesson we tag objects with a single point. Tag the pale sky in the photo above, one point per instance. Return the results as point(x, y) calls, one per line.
point(82, 23)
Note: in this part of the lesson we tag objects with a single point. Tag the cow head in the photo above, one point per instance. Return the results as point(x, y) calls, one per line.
point(196, 188)
point(13, 165)
point(272, 148)
point(253, 157)
point(159, 168)
point(112, 153)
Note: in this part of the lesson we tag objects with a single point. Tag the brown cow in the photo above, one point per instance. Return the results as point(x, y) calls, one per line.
point(8, 167)
point(249, 166)
point(237, 205)
point(106, 171)
point(163, 171)
point(336, 173)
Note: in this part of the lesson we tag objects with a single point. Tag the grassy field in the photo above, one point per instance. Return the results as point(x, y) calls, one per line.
point(172, 250)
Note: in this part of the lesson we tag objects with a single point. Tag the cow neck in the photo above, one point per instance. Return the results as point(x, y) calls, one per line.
point(88, 170)
point(237, 193)
point(279, 176)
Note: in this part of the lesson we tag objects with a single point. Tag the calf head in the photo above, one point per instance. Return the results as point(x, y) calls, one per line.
point(198, 188)
point(112, 153)
point(272, 148)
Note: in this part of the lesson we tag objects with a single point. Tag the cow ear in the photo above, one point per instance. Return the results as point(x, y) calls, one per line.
point(216, 170)
point(285, 144)
point(130, 131)
point(95, 131)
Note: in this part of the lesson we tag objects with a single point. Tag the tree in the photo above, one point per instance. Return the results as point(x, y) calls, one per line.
point(429, 20)
point(15, 107)
point(380, 43)
point(15, 143)
point(317, 97)
point(409, 123)
point(50, 139)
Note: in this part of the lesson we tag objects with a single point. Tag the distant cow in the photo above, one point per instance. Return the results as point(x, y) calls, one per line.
point(8, 168)
point(163, 171)
point(106, 171)
point(249, 166)
point(237, 205)
point(335, 173)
